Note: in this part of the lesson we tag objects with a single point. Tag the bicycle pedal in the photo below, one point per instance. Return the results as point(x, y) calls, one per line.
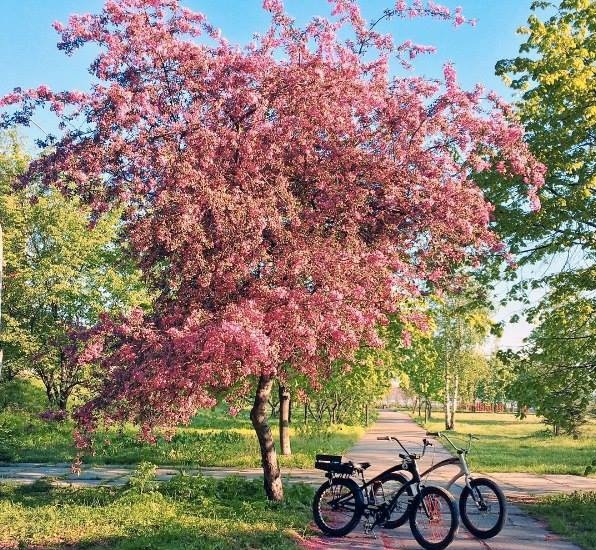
point(370, 532)
point(368, 528)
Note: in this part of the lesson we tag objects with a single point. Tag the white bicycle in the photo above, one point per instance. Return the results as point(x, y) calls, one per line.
point(482, 504)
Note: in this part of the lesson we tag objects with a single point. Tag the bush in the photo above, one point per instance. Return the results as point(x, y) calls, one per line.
point(143, 479)
point(22, 394)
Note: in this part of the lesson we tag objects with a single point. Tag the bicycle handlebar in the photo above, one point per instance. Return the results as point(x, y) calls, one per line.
point(446, 437)
point(391, 438)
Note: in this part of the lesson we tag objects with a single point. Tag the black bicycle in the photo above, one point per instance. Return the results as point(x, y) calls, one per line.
point(340, 502)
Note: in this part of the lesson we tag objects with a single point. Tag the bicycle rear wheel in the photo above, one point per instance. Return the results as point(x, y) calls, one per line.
point(483, 508)
point(433, 518)
point(338, 506)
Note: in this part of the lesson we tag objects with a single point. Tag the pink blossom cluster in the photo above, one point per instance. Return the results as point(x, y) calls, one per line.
point(282, 200)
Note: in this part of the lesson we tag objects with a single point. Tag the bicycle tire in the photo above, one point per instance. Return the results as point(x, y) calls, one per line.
point(400, 519)
point(420, 503)
point(465, 517)
point(356, 512)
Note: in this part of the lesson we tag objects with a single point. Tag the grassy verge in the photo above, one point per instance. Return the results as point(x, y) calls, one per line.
point(569, 515)
point(214, 438)
point(186, 512)
point(511, 445)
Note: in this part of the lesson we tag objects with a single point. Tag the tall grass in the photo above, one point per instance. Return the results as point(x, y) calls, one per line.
point(508, 444)
point(186, 512)
point(214, 438)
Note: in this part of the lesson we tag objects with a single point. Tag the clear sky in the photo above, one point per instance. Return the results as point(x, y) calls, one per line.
point(29, 57)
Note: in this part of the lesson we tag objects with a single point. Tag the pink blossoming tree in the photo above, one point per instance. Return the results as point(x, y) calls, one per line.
point(282, 199)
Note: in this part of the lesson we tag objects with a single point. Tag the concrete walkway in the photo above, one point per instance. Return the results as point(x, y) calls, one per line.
point(383, 454)
point(520, 533)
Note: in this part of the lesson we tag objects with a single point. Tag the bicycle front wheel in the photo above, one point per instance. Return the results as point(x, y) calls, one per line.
point(337, 507)
point(395, 491)
point(483, 508)
point(433, 518)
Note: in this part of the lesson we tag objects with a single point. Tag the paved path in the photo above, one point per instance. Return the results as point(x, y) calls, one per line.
point(520, 533)
point(383, 454)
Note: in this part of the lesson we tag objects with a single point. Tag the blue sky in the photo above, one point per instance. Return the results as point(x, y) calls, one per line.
point(29, 57)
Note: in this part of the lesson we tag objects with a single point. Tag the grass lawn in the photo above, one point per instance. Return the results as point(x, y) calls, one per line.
point(214, 438)
point(186, 512)
point(572, 516)
point(511, 445)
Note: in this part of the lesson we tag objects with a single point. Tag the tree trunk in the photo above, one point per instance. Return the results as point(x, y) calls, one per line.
point(454, 398)
point(284, 421)
point(290, 402)
point(447, 402)
point(305, 412)
point(271, 474)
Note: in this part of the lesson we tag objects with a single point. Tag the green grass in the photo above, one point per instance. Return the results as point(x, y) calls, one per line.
point(186, 512)
point(569, 515)
point(511, 445)
point(214, 438)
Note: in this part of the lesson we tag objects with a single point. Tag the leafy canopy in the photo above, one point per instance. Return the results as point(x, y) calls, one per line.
point(60, 276)
point(556, 77)
point(282, 198)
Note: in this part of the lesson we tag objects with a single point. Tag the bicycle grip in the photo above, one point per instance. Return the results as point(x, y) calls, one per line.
point(433, 434)
point(383, 438)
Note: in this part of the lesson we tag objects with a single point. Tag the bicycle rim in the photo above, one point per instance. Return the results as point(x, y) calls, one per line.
point(388, 490)
point(337, 507)
point(482, 507)
point(434, 518)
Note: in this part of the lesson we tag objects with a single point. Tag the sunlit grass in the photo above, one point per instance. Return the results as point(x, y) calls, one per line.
point(569, 515)
point(214, 438)
point(511, 445)
point(186, 512)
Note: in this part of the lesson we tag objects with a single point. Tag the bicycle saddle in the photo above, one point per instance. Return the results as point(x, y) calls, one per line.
point(361, 465)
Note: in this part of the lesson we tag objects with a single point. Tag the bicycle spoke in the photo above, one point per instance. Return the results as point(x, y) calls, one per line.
point(482, 508)
point(337, 506)
point(433, 519)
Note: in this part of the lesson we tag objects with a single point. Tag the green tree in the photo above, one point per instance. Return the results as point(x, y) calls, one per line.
point(419, 363)
point(496, 386)
point(444, 362)
point(563, 397)
point(555, 76)
point(60, 274)
point(462, 325)
point(352, 386)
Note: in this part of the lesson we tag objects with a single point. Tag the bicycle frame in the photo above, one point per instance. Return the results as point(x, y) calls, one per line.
point(409, 464)
point(417, 477)
point(460, 461)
